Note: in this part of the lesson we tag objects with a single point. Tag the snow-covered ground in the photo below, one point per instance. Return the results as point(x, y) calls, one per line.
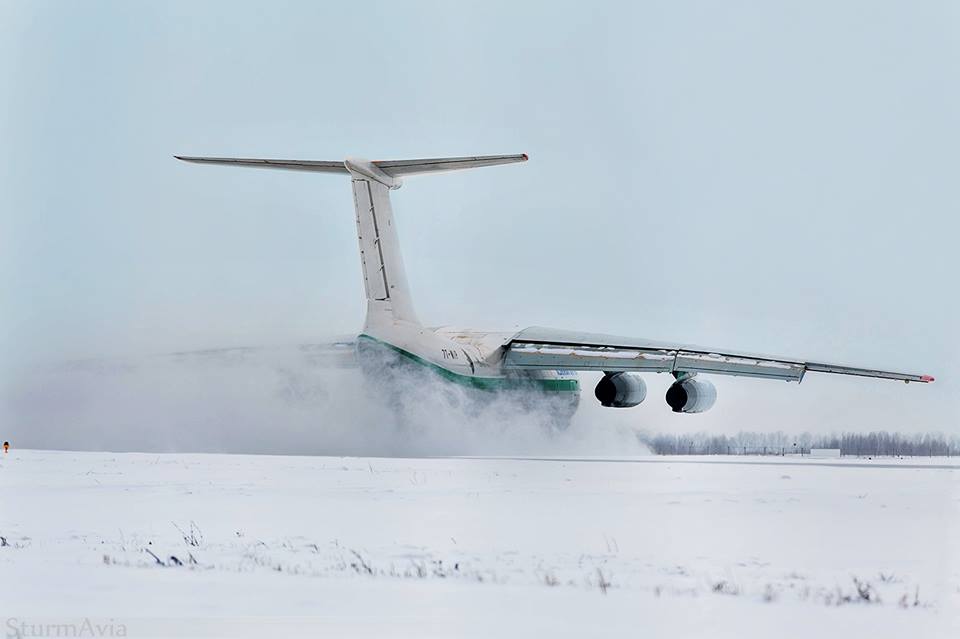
point(241, 545)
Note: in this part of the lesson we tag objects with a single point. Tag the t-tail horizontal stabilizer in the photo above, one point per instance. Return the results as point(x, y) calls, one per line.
point(386, 171)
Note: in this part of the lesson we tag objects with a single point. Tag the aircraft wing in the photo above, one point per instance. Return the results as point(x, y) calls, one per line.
point(337, 354)
point(546, 348)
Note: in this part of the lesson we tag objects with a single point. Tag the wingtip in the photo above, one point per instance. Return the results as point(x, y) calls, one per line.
point(525, 156)
point(926, 378)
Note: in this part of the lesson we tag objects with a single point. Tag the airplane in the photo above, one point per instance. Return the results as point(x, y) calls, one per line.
point(537, 364)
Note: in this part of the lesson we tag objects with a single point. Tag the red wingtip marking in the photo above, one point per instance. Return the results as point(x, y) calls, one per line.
point(926, 378)
point(525, 157)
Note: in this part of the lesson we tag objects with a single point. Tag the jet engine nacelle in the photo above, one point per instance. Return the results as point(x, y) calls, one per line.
point(620, 390)
point(691, 396)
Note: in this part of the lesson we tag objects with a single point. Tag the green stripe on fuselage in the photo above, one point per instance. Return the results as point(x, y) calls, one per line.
point(483, 383)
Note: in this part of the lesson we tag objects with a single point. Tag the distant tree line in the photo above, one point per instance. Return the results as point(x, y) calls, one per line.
point(880, 443)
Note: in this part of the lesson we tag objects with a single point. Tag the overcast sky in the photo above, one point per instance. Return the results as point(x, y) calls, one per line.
point(769, 177)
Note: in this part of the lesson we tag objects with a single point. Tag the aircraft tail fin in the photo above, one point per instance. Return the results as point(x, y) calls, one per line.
point(384, 277)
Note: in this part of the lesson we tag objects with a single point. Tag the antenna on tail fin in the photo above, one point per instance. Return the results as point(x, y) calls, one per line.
point(384, 277)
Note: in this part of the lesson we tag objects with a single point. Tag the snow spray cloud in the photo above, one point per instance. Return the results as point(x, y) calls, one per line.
point(298, 400)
